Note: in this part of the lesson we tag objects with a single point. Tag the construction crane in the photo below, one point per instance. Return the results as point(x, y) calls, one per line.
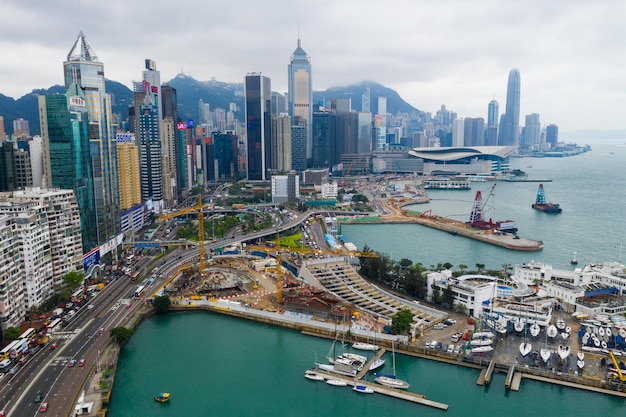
point(620, 375)
point(194, 209)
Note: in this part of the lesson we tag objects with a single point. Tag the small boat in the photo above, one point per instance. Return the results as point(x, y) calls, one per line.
point(596, 342)
point(552, 331)
point(313, 376)
point(377, 364)
point(391, 381)
point(365, 346)
point(601, 331)
point(580, 364)
point(603, 344)
point(535, 330)
point(545, 354)
point(363, 388)
point(481, 349)
point(586, 337)
point(525, 348)
point(348, 356)
point(563, 351)
point(581, 356)
point(560, 323)
point(519, 326)
point(608, 332)
point(336, 382)
point(564, 335)
point(481, 342)
point(574, 260)
point(163, 397)
point(481, 335)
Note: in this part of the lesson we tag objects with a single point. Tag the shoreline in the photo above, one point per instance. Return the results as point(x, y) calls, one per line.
point(318, 328)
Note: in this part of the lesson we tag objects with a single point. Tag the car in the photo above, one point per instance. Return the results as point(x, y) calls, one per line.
point(451, 348)
point(13, 370)
point(101, 330)
point(81, 362)
point(90, 306)
point(71, 363)
point(54, 345)
point(38, 397)
point(438, 346)
point(3, 413)
point(43, 408)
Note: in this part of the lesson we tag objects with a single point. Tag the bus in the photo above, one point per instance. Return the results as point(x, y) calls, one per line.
point(135, 276)
point(139, 291)
point(6, 352)
point(130, 259)
point(28, 334)
point(19, 348)
point(53, 324)
point(78, 295)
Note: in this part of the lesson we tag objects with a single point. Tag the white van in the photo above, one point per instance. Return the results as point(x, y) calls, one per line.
point(5, 363)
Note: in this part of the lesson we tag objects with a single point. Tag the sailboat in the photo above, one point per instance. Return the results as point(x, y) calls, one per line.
point(563, 351)
point(552, 331)
point(534, 330)
point(392, 381)
point(544, 352)
point(518, 325)
point(525, 347)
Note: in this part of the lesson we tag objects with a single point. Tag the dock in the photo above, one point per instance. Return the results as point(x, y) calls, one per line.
point(369, 363)
point(486, 373)
point(509, 377)
point(380, 389)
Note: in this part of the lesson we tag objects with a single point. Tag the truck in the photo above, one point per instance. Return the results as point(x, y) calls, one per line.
point(57, 311)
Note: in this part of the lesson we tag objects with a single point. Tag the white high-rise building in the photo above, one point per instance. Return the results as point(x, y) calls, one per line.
point(458, 132)
point(12, 310)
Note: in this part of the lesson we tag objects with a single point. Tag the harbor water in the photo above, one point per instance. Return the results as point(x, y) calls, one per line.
point(215, 365)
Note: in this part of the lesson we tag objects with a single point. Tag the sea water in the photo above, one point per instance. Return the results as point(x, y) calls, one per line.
point(216, 365)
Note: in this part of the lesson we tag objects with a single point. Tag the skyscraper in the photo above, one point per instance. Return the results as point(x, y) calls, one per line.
point(300, 92)
point(509, 129)
point(258, 125)
point(492, 114)
point(552, 135)
point(83, 68)
point(532, 130)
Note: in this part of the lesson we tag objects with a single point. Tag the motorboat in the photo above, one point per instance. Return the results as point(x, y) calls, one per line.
point(560, 323)
point(563, 351)
point(535, 330)
point(336, 382)
point(378, 363)
point(564, 335)
point(313, 376)
point(525, 348)
point(162, 397)
point(545, 354)
point(580, 364)
point(482, 335)
point(552, 331)
point(518, 325)
point(481, 342)
point(581, 356)
point(349, 356)
point(586, 337)
point(391, 381)
point(365, 346)
point(363, 388)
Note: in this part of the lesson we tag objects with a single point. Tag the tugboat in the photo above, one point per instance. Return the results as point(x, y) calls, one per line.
point(542, 205)
point(162, 397)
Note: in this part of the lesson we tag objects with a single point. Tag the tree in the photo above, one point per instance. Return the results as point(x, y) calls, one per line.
point(405, 263)
point(462, 267)
point(447, 265)
point(480, 268)
point(401, 321)
point(12, 333)
point(121, 334)
point(162, 304)
point(74, 279)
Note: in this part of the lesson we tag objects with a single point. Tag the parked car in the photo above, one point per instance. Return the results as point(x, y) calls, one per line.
point(438, 347)
point(43, 408)
point(451, 348)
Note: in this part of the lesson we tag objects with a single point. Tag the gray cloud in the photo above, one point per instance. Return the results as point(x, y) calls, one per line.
point(570, 53)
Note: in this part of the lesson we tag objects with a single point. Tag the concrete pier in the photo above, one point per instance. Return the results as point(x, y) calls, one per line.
point(369, 363)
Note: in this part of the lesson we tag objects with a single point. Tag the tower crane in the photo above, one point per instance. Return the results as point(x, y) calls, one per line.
point(194, 209)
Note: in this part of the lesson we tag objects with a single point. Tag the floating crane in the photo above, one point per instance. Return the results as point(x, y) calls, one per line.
point(477, 216)
point(542, 204)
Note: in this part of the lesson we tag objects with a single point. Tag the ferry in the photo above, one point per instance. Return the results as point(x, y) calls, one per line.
point(447, 184)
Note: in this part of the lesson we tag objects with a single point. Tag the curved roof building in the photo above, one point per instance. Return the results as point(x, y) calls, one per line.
point(464, 160)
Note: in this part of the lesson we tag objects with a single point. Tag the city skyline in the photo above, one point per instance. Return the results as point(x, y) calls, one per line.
point(430, 53)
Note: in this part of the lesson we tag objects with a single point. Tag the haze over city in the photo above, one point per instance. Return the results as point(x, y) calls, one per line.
point(431, 53)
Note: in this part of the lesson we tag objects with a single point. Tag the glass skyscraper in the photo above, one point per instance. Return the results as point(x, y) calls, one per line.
point(83, 68)
point(258, 125)
point(300, 91)
point(67, 162)
point(509, 127)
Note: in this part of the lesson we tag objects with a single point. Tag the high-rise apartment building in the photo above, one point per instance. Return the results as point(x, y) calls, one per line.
point(298, 148)
point(509, 127)
point(3, 135)
point(258, 125)
point(281, 143)
point(83, 69)
point(552, 135)
point(67, 159)
point(21, 128)
point(300, 92)
point(128, 171)
point(458, 132)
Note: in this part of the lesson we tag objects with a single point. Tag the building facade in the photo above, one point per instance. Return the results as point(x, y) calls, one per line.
point(509, 126)
point(258, 125)
point(300, 93)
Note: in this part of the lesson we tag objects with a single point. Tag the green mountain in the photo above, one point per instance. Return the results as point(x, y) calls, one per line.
point(189, 91)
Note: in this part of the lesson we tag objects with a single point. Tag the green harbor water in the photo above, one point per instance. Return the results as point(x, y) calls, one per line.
point(215, 365)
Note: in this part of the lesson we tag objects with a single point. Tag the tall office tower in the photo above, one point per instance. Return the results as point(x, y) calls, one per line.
point(298, 148)
point(279, 103)
point(147, 129)
point(35, 150)
point(364, 141)
point(169, 133)
point(169, 102)
point(532, 130)
point(23, 169)
point(300, 93)
point(365, 101)
point(3, 135)
point(220, 120)
point(226, 162)
point(21, 128)
point(281, 143)
point(509, 126)
point(204, 112)
point(341, 105)
point(321, 128)
point(258, 125)
point(380, 133)
point(474, 131)
point(493, 116)
point(8, 175)
point(458, 133)
point(67, 159)
point(344, 136)
point(552, 135)
point(128, 171)
point(83, 68)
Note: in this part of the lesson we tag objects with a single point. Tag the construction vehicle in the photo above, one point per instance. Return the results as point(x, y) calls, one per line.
point(194, 209)
point(477, 216)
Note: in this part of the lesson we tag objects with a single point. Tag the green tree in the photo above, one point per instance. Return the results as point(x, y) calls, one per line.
point(447, 265)
point(121, 334)
point(480, 267)
point(405, 263)
point(162, 304)
point(462, 267)
point(12, 333)
point(401, 321)
point(74, 279)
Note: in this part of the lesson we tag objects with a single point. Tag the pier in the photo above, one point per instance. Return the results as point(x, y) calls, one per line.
point(369, 363)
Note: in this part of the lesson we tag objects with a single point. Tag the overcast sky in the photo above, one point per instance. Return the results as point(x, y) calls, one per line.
point(571, 53)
